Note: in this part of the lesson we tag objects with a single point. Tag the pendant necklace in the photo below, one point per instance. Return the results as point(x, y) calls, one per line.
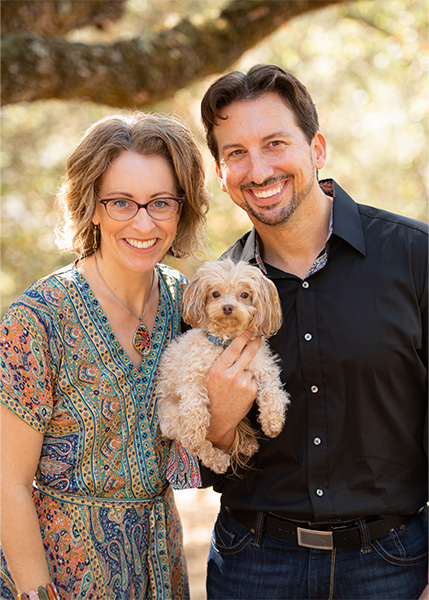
point(141, 338)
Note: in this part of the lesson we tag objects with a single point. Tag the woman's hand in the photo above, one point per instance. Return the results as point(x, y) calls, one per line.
point(232, 389)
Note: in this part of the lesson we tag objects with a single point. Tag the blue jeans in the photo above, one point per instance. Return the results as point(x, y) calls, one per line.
point(245, 564)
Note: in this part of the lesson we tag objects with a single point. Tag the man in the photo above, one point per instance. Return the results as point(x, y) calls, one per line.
point(335, 506)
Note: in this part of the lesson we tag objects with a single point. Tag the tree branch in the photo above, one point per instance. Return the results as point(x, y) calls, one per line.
point(139, 72)
point(57, 17)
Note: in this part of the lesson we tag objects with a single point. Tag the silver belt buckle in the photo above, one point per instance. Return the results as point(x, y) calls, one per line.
point(312, 538)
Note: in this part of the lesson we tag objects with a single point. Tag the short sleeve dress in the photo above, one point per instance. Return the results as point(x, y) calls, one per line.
point(107, 515)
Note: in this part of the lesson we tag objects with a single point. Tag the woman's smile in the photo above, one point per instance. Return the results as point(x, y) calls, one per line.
point(141, 243)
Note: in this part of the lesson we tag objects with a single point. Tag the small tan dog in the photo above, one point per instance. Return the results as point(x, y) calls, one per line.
point(222, 301)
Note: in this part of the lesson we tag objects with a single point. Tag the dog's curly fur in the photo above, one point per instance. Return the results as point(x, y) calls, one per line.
point(223, 300)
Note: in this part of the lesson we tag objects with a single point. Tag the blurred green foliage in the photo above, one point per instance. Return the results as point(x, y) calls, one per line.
point(365, 65)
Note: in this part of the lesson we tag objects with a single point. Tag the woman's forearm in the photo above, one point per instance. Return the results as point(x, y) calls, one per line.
point(20, 530)
point(21, 539)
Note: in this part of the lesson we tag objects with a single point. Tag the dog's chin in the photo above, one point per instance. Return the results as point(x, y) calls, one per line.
point(227, 328)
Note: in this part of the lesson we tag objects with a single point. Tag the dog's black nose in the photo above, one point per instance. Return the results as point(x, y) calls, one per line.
point(227, 309)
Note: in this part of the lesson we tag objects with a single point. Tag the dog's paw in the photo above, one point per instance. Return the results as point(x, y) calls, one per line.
point(193, 438)
point(272, 432)
point(221, 463)
point(248, 447)
point(213, 458)
point(272, 413)
point(272, 425)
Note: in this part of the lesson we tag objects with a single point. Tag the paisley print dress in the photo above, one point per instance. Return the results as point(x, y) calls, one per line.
point(109, 523)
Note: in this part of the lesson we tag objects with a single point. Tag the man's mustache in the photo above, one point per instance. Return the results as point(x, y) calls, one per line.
point(266, 183)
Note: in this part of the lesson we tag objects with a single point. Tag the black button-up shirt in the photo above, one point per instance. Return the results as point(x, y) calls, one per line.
point(354, 360)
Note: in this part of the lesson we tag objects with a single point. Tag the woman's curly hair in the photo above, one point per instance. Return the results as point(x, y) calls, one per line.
point(147, 134)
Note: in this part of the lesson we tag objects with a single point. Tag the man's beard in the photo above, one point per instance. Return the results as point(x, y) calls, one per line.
point(271, 216)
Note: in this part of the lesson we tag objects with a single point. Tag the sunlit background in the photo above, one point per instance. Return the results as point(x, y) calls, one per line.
point(365, 65)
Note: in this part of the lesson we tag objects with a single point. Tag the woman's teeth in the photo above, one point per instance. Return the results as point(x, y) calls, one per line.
point(140, 244)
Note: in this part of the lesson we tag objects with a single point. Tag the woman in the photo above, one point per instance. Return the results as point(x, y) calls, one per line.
point(79, 354)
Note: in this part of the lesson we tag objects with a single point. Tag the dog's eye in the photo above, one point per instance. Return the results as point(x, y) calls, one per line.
point(244, 295)
point(216, 294)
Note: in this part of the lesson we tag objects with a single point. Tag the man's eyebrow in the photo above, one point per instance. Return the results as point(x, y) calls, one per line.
point(266, 138)
point(229, 146)
point(280, 133)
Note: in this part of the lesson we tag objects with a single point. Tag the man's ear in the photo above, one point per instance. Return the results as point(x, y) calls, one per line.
point(220, 178)
point(318, 146)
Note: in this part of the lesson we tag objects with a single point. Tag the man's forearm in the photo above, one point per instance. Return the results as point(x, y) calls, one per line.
point(220, 436)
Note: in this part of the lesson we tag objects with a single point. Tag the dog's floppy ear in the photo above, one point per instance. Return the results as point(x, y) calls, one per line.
point(268, 317)
point(194, 303)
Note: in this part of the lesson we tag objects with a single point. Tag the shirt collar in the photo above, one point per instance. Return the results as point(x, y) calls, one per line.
point(347, 220)
point(250, 252)
point(346, 224)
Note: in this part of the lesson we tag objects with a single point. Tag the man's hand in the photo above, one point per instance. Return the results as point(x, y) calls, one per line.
point(231, 389)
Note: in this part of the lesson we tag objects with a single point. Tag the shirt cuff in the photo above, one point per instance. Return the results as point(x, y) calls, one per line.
point(183, 470)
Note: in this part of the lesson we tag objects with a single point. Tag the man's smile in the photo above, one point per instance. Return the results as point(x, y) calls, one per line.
point(264, 191)
point(268, 193)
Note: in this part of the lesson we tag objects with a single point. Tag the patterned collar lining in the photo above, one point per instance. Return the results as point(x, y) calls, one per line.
point(322, 259)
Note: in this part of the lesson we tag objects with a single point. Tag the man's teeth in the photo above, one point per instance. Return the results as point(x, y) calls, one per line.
point(269, 193)
point(138, 244)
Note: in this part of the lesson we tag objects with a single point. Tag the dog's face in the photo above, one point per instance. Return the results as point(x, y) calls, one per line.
point(229, 305)
point(226, 298)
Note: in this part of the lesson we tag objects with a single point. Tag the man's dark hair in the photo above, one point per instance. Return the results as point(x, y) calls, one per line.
point(260, 80)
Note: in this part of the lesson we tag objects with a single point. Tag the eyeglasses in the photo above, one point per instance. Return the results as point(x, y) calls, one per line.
point(159, 209)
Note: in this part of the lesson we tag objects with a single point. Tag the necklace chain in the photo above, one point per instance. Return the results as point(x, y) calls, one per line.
point(120, 299)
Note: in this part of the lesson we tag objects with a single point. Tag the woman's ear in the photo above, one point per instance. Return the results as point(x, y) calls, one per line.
point(96, 215)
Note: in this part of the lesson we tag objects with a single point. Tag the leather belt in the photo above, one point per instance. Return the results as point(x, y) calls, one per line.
point(322, 536)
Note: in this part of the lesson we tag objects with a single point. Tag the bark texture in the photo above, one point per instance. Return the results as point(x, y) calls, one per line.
point(37, 63)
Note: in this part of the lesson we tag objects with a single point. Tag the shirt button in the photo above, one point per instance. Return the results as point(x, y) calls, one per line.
point(319, 492)
point(305, 284)
point(308, 337)
point(314, 389)
point(317, 441)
